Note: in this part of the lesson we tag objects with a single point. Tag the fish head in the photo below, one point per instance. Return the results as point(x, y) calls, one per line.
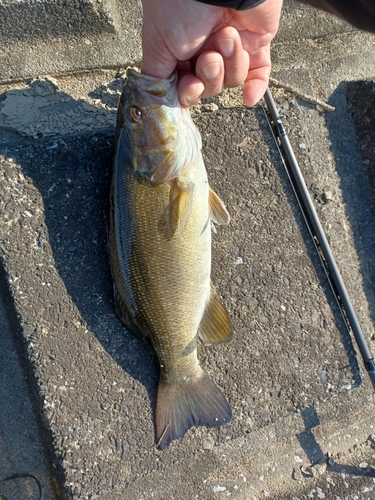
point(162, 137)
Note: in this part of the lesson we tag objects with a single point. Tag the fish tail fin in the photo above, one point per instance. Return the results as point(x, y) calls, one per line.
point(194, 402)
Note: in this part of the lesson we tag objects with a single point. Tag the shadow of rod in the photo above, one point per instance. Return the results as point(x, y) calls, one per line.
point(351, 470)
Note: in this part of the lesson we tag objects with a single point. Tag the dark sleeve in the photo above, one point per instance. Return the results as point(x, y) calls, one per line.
point(234, 4)
point(359, 13)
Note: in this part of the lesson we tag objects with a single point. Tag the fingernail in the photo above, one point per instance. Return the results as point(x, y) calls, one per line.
point(226, 46)
point(210, 71)
point(191, 99)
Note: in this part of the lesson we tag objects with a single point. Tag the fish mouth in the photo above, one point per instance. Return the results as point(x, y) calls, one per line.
point(162, 88)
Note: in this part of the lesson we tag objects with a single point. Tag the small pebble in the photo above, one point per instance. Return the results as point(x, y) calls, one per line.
point(209, 107)
point(328, 196)
point(219, 488)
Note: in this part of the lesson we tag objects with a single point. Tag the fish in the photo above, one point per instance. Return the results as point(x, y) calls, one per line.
point(161, 208)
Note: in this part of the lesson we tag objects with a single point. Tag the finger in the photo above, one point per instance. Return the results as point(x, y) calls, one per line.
point(228, 42)
point(257, 79)
point(252, 42)
point(253, 91)
point(190, 88)
point(158, 65)
point(150, 67)
point(209, 68)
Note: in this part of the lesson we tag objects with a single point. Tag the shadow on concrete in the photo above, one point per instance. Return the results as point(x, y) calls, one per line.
point(108, 94)
point(346, 340)
point(72, 174)
point(41, 109)
point(307, 439)
point(351, 470)
point(27, 463)
point(73, 179)
point(23, 486)
point(352, 124)
point(315, 453)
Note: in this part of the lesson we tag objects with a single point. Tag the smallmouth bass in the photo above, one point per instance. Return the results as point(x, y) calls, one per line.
point(161, 209)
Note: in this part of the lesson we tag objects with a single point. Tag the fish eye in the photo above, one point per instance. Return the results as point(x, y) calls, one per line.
point(134, 114)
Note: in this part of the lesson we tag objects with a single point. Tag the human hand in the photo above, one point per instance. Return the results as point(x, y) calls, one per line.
point(211, 47)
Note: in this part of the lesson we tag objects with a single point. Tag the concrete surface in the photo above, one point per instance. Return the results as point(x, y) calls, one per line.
point(25, 464)
point(45, 37)
point(302, 405)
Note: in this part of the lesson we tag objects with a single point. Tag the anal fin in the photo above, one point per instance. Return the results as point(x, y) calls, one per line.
point(215, 326)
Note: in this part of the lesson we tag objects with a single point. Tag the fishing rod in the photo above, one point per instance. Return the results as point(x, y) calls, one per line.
point(316, 230)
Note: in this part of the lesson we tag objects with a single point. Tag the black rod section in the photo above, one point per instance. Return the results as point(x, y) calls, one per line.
point(309, 208)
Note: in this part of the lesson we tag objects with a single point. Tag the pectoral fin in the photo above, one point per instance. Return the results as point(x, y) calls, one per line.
point(215, 327)
point(218, 212)
point(180, 206)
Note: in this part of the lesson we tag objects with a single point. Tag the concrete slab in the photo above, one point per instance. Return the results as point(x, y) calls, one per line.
point(25, 20)
point(302, 22)
point(42, 37)
point(318, 66)
point(273, 463)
